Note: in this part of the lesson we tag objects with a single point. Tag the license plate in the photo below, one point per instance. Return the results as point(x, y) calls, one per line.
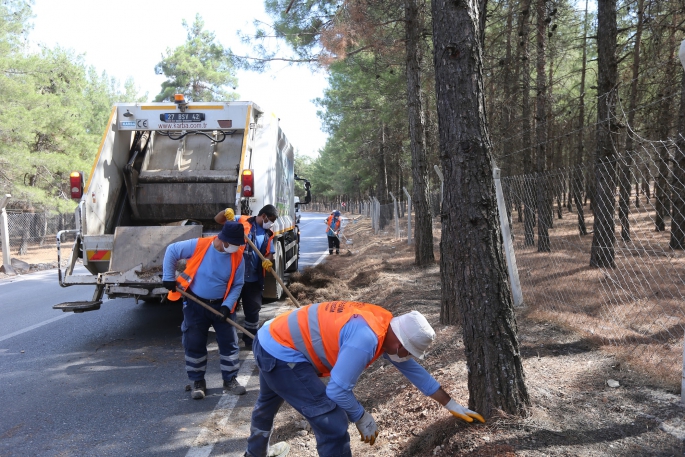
point(182, 117)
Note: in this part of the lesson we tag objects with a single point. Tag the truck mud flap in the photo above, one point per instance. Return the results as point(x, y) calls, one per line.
point(78, 306)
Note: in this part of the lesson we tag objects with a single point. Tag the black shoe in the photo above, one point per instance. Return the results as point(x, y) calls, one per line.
point(233, 387)
point(199, 390)
point(330, 252)
point(248, 342)
point(337, 252)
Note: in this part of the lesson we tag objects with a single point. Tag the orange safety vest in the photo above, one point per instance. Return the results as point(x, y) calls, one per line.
point(328, 223)
point(247, 225)
point(314, 330)
point(185, 279)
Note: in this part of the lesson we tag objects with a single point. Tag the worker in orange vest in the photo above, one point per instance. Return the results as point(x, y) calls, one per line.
point(214, 273)
point(259, 230)
point(332, 231)
point(337, 339)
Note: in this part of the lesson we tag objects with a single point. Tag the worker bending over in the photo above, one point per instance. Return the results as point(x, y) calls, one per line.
point(258, 230)
point(337, 339)
point(214, 274)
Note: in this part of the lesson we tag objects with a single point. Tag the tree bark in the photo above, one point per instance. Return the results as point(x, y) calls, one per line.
point(580, 149)
point(541, 180)
point(678, 215)
point(528, 194)
point(603, 240)
point(473, 270)
point(423, 227)
point(627, 162)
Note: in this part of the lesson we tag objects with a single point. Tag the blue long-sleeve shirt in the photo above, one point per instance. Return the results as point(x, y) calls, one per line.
point(253, 264)
point(358, 345)
point(212, 274)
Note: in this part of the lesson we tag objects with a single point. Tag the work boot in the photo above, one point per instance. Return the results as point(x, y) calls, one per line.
point(233, 387)
point(199, 390)
point(337, 252)
point(330, 252)
point(248, 342)
point(280, 449)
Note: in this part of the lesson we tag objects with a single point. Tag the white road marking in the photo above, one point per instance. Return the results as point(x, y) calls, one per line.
point(35, 326)
point(223, 408)
point(323, 256)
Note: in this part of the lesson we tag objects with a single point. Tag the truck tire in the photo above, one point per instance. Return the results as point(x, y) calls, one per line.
point(279, 266)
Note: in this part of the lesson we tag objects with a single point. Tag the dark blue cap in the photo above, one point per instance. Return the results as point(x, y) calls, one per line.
point(233, 233)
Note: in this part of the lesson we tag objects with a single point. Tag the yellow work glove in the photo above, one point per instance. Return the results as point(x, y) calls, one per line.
point(229, 214)
point(267, 264)
point(463, 413)
point(368, 430)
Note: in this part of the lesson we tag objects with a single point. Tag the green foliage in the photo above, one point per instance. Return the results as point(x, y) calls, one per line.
point(52, 116)
point(200, 68)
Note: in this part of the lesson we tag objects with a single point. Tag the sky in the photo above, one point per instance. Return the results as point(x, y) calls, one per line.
point(128, 38)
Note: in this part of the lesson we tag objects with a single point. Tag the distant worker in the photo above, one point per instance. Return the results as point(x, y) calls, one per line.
point(332, 231)
point(337, 339)
point(258, 230)
point(214, 273)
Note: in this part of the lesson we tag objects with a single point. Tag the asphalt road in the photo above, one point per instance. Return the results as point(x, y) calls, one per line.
point(112, 382)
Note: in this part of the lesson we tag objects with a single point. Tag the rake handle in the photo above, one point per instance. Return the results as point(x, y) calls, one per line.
point(209, 308)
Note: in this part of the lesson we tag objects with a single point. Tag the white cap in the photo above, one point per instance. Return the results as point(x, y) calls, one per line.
point(414, 332)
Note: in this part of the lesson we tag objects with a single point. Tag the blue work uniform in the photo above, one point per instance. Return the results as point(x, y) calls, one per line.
point(251, 294)
point(209, 285)
point(286, 374)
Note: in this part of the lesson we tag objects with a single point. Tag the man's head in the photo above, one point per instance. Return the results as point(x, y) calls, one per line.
point(267, 216)
point(336, 213)
point(232, 234)
point(408, 334)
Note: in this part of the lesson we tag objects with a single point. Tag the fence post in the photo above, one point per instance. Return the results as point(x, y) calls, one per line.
point(396, 215)
point(516, 292)
point(5, 236)
point(442, 186)
point(408, 215)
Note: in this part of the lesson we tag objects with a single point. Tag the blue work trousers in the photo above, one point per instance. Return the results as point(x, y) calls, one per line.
point(298, 384)
point(251, 295)
point(195, 327)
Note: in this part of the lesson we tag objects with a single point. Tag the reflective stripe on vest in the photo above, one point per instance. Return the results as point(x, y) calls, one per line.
point(315, 329)
point(185, 278)
point(337, 224)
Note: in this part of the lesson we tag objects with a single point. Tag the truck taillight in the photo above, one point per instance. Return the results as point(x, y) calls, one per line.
point(248, 183)
point(76, 184)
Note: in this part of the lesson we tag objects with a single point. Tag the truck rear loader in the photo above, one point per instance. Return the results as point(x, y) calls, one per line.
point(161, 174)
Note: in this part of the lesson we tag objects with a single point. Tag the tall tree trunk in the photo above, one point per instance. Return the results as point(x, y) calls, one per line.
point(423, 227)
point(473, 269)
point(661, 184)
point(542, 181)
point(603, 239)
point(383, 196)
point(627, 163)
point(580, 149)
point(528, 195)
point(678, 215)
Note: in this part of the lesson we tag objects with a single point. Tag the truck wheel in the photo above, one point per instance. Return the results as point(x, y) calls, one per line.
point(279, 265)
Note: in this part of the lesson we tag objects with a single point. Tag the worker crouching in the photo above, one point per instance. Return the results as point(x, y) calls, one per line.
point(337, 339)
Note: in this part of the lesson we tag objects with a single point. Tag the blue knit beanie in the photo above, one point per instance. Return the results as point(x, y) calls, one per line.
point(233, 233)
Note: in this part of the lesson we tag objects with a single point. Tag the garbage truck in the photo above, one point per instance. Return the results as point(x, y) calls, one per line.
point(161, 174)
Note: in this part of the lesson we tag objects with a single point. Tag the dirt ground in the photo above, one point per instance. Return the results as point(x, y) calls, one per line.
point(574, 410)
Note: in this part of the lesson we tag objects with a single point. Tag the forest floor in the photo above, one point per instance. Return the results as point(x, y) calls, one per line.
point(573, 412)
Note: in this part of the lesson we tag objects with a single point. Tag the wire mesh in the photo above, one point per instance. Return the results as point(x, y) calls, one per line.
point(34, 229)
point(631, 297)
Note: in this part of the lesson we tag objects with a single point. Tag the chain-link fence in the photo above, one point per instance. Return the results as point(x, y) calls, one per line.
point(34, 229)
point(607, 259)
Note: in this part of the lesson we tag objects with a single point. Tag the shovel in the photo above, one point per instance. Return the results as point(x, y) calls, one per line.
point(285, 289)
point(209, 308)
